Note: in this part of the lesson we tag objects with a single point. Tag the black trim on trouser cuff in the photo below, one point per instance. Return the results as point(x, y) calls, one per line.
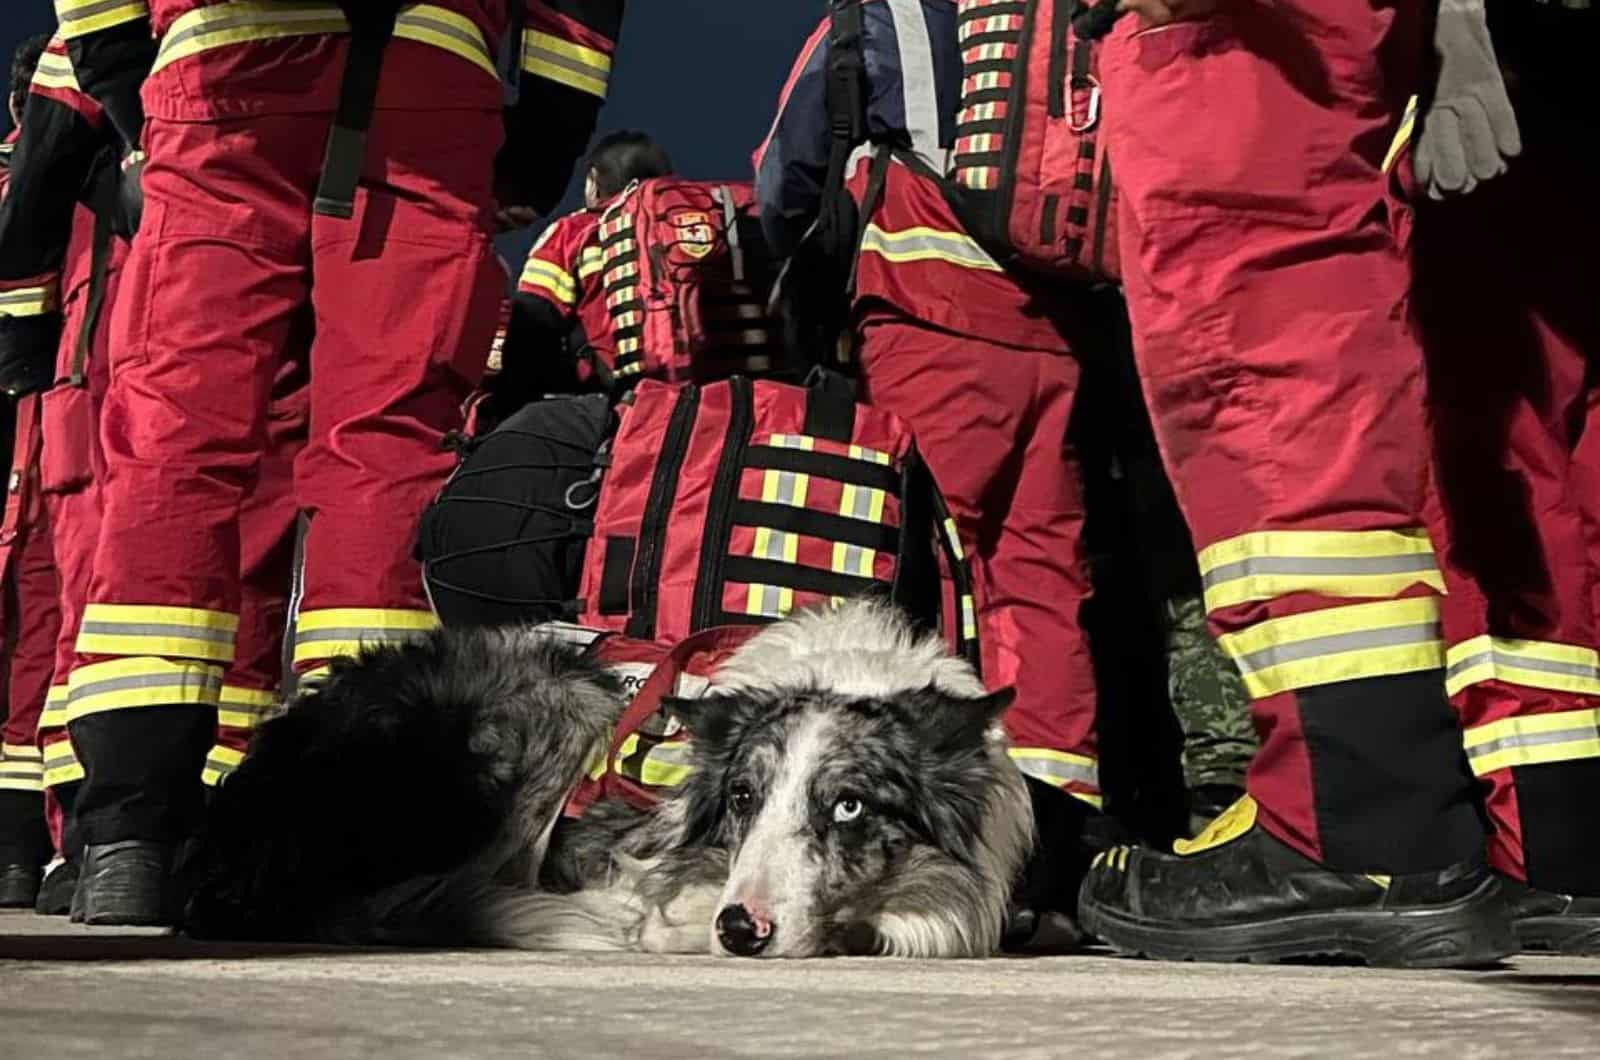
point(24, 837)
point(1558, 803)
point(1390, 784)
point(71, 835)
point(142, 772)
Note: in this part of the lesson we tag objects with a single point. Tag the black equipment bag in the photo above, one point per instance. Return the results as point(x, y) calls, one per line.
point(504, 542)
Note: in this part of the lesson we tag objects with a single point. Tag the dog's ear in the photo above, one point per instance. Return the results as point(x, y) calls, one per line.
point(953, 721)
point(709, 719)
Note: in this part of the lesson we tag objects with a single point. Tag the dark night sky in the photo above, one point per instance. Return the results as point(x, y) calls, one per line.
point(702, 75)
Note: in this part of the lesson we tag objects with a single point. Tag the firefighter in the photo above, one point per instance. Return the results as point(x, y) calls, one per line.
point(1266, 292)
point(974, 359)
point(296, 160)
point(559, 337)
point(28, 615)
point(1512, 336)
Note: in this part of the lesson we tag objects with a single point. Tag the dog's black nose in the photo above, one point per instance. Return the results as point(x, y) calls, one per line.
point(740, 933)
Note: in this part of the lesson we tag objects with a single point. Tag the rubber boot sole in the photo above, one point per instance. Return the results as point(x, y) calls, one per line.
point(1471, 932)
point(1564, 936)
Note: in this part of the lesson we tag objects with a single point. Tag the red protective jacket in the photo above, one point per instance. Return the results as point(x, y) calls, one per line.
point(560, 308)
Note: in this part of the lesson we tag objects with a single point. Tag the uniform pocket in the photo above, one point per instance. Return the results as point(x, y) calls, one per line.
point(66, 461)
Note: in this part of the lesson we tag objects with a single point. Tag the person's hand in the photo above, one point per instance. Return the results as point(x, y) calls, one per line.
point(1160, 12)
point(510, 218)
point(1469, 130)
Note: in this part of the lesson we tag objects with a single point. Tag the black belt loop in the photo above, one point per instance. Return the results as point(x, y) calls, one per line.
point(358, 97)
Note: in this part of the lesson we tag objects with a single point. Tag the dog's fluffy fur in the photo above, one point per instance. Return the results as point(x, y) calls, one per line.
point(850, 785)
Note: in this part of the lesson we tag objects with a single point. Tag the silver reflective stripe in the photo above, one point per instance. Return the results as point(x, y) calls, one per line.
point(209, 682)
point(768, 601)
point(228, 20)
point(1254, 565)
point(1523, 662)
point(1337, 644)
point(1056, 769)
point(355, 633)
point(157, 629)
point(1533, 739)
point(954, 248)
point(444, 29)
point(919, 85)
point(563, 62)
point(776, 544)
point(78, 14)
point(856, 560)
point(786, 487)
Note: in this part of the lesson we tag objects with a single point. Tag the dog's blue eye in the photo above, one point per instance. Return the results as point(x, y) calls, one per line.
point(846, 810)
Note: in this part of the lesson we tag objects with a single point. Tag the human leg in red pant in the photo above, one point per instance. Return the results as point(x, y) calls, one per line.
point(1265, 290)
point(1512, 333)
point(30, 623)
point(405, 294)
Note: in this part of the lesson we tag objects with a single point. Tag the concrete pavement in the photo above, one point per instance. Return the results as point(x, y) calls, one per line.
point(68, 992)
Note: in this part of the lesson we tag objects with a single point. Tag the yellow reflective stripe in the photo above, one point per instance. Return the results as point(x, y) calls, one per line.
point(969, 617)
point(20, 752)
point(242, 21)
point(861, 502)
point(55, 71)
point(1533, 739)
point(784, 487)
point(566, 63)
point(54, 715)
point(219, 763)
point(244, 708)
point(61, 765)
point(550, 278)
point(804, 442)
point(776, 545)
point(952, 536)
point(1402, 135)
point(1529, 663)
point(1338, 644)
point(921, 243)
point(590, 262)
point(121, 684)
point(770, 601)
point(316, 673)
point(21, 767)
point(30, 301)
point(853, 559)
point(871, 456)
point(343, 631)
point(1057, 767)
point(666, 765)
point(1364, 564)
point(141, 629)
point(80, 17)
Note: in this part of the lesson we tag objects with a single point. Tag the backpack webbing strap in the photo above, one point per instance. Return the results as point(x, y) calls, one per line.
point(371, 26)
point(99, 267)
point(925, 519)
point(877, 177)
point(830, 406)
point(847, 75)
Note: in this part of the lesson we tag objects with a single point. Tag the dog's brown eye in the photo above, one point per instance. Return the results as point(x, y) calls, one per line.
point(740, 797)
point(846, 810)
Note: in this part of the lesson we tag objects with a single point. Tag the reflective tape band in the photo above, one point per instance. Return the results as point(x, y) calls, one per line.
point(123, 684)
point(1533, 739)
point(550, 278)
point(21, 768)
point(221, 762)
point(1338, 644)
point(20, 752)
point(927, 244)
point(776, 545)
point(861, 502)
point(1529, 663)
point(55, 71)
point(243, 21)
point(80, 17)
point(1402, 135)
point(784, 487)
point(853, 559)
point(146, 630)
point(1363, 564)
point(1061, 769)
point(343, 631)
point(590, 262)
point(30, 301)
point(244, 708)
point(969, 617)
point(769, 601)
point(666, 764)
point(54, 715)
point(61, 765)
point(565, 62)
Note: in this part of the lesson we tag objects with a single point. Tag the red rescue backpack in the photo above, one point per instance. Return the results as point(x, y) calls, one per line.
point(739, 501)
point(1030, 177)
point(686, 276)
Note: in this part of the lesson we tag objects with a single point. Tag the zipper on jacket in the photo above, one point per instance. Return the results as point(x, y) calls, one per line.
point(719, 508)
point(646, 587)
point(1061, 20)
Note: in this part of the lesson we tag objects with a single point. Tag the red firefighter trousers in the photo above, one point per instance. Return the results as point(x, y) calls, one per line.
point(30, 622)
point(229, 254)
point(1512, 331)
point(991, 422)
point(1265, 289)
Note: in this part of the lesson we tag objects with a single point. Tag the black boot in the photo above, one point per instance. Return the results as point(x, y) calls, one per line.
point(1238, 894)
point(1547, 922)
point(126, 883)
point(55, 893)
point(19, 886)
point(1042, 917)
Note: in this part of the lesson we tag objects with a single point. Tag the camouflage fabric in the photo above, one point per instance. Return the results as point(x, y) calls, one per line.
point(1209, 699)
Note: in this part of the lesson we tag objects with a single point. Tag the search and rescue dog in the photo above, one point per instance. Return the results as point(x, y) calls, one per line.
point(850, 792)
